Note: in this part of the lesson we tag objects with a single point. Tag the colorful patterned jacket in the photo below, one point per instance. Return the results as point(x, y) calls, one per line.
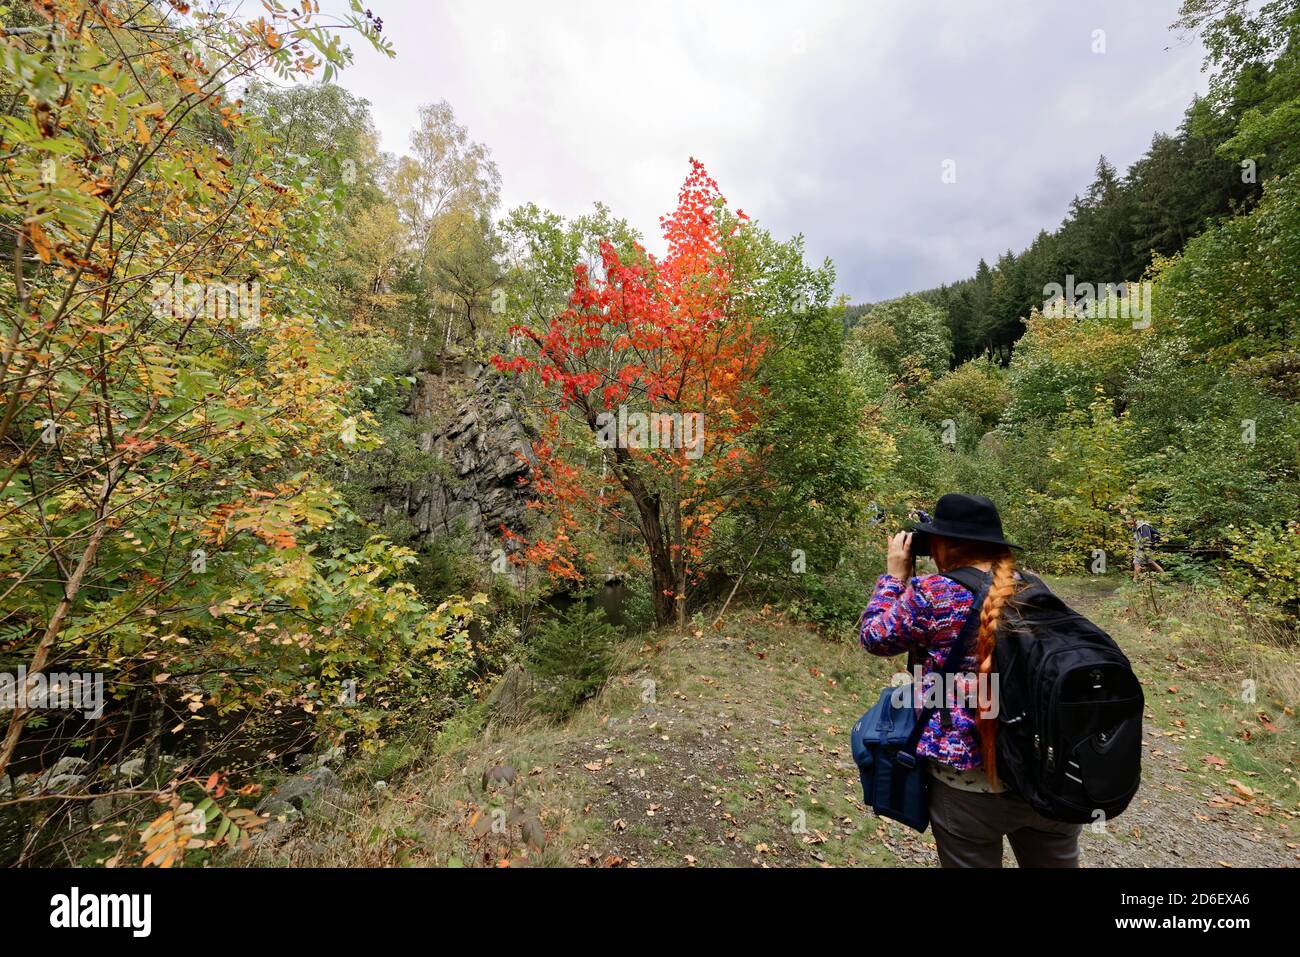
point(924, 618)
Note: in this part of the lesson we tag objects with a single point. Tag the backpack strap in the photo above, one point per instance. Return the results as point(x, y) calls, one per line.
point(976, 582)
point(972, 579)
point(956, 655)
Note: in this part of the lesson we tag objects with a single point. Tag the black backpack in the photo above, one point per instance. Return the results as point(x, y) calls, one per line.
point(1069, 707)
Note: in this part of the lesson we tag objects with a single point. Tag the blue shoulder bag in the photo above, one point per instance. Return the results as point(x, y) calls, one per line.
point(895, 783)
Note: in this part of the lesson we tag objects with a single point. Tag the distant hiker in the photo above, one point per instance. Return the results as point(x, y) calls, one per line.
point(1145, 539)
point(969, 809)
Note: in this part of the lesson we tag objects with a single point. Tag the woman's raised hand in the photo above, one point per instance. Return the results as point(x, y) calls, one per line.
point(899, 561)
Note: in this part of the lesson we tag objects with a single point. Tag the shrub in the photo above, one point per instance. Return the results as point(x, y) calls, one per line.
point(443, 566)
point(833, 599)
point(1265, 565)
point(1083, 506)
point(572, 657)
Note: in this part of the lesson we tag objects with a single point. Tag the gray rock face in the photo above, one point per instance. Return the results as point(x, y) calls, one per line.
point(486, 446)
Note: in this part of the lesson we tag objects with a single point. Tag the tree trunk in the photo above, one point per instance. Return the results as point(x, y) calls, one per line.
point(664, 585)
point(43, 648)
point(662, 574)
point(680, 597)
point(649, 512)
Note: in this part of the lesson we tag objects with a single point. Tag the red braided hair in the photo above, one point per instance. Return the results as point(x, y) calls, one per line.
point(950, 553)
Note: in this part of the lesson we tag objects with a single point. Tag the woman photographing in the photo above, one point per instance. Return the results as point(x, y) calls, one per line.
point(922, 616)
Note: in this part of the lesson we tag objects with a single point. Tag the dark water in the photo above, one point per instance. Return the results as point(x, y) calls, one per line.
point(616, 600)
point(611, 598)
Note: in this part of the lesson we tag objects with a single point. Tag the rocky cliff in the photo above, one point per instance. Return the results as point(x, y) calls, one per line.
point(475, 428)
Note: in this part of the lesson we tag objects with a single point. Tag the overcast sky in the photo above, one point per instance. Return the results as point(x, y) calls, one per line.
point(831, 119)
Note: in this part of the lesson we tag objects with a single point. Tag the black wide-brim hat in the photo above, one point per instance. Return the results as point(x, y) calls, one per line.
point(973, 518)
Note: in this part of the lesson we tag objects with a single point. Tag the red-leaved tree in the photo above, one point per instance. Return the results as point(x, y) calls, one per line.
point(656, 358)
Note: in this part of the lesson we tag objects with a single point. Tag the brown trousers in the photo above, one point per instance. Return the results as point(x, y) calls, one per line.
point(969, 827)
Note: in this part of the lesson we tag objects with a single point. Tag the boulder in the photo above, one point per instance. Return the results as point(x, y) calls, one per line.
point(130, 770)
point(509, 700)
point(289, 798)
point(65, 775)
point(331, 756)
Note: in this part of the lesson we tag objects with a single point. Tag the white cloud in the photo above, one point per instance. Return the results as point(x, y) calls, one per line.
point(829, 119)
